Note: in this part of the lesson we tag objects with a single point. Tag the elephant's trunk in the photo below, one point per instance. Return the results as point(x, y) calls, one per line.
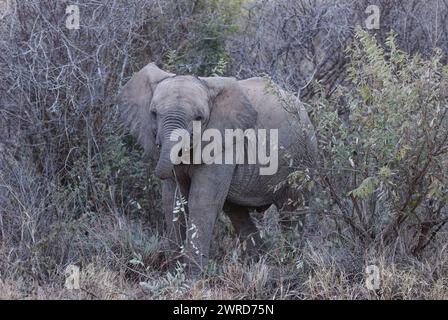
point(164, 168)
point(171, 122)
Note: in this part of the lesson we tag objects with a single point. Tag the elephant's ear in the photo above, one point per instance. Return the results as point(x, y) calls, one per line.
point(230, 107)
point(134, 102)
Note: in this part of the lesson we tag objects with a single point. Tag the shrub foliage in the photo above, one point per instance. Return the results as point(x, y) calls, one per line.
point(384, 166)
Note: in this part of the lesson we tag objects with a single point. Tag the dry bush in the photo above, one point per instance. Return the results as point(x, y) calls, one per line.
point(69, 174)
point(300, 42)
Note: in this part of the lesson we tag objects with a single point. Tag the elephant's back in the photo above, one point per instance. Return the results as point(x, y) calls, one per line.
point(276, 109)
point(267, 100)
point(280, 110)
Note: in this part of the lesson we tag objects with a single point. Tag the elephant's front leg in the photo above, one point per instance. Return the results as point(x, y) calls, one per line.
point(208, 191)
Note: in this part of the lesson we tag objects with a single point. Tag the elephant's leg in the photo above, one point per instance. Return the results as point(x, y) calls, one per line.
point(208, 191)
point(244, 227)
point(175, 223)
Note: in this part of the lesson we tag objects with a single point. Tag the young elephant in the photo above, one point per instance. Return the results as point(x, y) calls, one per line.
point(155, 103)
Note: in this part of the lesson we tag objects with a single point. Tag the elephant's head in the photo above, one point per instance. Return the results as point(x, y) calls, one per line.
point(154, 103)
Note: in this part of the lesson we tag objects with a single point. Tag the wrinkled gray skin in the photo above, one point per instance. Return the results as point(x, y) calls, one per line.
point(154, 102)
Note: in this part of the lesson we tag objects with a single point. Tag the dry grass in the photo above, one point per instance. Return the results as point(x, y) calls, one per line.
point(320, 270)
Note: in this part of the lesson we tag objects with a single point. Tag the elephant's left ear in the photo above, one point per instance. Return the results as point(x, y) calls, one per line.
point(230, 107)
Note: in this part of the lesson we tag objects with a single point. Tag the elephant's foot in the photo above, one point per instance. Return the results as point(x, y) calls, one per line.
point(246, 230)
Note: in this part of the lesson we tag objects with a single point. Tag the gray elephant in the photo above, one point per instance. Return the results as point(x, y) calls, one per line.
point(155, 103)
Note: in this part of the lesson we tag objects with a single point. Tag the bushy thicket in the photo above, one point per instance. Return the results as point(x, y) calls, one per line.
point(300, 42)
point(384, 168)
point(75, 189)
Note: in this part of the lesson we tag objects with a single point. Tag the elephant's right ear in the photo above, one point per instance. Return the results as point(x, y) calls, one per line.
point(134, 101)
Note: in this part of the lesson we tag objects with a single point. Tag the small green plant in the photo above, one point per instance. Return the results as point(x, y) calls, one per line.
point(171, 58)
point(220, 67)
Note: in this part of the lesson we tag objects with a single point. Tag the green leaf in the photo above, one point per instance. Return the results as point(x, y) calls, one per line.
point(365, 189)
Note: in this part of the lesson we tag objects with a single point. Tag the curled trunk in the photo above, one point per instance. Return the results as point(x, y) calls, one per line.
point(164, 168)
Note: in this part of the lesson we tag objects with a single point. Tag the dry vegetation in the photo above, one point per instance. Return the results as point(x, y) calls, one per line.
point(74, 188)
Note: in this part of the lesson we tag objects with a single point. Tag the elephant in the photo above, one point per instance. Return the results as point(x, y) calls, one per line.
point(154, 103)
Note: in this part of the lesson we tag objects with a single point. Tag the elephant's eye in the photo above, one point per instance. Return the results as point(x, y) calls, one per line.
point(153, 114)
point(198, 118)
